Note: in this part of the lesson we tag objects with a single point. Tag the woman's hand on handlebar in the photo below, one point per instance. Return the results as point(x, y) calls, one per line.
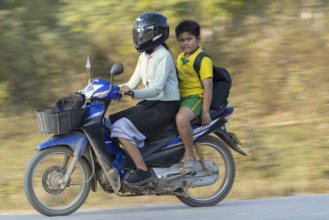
point(125, 90)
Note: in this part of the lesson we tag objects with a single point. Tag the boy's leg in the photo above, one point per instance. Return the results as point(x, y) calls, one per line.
point(183, 119)
point(189, 109)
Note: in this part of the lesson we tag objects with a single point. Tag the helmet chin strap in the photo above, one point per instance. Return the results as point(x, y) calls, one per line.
point(149, 51)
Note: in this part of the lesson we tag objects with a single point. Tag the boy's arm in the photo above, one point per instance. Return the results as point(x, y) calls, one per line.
point(206, 100)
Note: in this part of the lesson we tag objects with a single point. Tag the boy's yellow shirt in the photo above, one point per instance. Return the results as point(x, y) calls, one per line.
point(189, 81)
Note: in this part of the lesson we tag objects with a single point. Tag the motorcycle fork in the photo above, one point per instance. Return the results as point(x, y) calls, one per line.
point(64, 181)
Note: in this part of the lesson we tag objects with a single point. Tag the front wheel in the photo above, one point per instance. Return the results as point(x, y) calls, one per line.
point(217, 151)
point(42, 182)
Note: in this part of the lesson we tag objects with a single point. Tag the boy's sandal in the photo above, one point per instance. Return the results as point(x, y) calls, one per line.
point(189, 167)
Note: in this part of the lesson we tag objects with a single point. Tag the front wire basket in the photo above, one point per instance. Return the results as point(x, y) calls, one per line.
point(59, 122)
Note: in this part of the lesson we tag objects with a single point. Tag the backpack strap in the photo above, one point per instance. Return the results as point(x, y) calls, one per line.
point(197, 62)
point(219, 73)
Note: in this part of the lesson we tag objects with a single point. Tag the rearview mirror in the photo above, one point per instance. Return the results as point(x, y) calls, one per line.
point(116, 69)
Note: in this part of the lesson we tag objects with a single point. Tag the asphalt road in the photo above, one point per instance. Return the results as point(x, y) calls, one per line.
point(309, 207)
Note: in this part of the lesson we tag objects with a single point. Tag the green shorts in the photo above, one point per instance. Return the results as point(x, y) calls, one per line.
point(193, 102)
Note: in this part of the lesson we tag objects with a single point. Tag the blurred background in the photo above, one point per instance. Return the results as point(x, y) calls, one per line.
point(276, 51)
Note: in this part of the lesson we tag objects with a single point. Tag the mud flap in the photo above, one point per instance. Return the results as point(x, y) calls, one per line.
point(230, 139)
point(235, 138)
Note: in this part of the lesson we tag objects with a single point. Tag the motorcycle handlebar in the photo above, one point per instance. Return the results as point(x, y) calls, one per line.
point(130, 93)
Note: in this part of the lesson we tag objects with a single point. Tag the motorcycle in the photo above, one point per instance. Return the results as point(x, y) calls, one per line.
point(80, 155)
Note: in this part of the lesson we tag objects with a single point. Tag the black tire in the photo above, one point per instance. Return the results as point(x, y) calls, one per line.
point(223, 185)
point(41, 189)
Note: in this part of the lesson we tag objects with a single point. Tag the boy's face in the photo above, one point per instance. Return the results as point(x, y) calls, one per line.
point(188, 42)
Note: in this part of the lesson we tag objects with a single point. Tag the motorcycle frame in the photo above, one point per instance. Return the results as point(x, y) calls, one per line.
point(93, 134)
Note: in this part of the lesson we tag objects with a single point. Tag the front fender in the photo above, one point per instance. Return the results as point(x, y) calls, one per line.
point(76, 140)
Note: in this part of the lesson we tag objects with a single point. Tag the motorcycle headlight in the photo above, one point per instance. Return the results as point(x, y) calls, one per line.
point(101, 94)
point(88, 91)
point(93, 91)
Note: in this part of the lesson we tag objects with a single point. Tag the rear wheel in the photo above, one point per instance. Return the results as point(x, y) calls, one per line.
point(42, 182)
point(217, 151)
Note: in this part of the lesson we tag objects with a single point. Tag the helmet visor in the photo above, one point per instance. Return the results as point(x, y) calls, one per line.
point(142, 34)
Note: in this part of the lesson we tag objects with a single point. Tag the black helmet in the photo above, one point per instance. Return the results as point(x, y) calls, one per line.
point(150, 30)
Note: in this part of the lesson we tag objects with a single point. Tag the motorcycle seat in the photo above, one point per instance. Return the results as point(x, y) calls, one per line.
point(170, 131)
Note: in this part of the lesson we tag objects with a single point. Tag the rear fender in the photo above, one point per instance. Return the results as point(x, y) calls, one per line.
point(229, 138)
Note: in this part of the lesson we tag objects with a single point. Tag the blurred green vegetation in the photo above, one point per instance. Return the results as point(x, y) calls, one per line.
point(276, 52)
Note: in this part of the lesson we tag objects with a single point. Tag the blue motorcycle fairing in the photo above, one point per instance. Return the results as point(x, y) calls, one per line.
point(100, 88)
point(76, 140)
point(201, 131)
point(120, 155)
point(94, 111)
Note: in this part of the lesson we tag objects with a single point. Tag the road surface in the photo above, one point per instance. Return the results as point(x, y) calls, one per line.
point(308, 207)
